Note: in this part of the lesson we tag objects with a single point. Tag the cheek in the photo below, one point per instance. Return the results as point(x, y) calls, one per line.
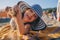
point(32, 19)
point(25, 19)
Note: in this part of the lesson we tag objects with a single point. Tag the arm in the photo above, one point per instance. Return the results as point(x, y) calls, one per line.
point(19, 22)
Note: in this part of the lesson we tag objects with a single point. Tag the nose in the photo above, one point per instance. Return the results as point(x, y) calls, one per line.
point(32, 14)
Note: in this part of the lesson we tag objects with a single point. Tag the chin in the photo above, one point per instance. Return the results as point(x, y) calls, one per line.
point(31, 21)
point(27, 21)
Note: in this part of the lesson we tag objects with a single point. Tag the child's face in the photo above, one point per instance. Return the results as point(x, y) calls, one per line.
point(10, 12)
point(29, 16)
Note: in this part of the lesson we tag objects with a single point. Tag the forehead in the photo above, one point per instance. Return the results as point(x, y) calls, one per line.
point(29, 10)
point(10, 9)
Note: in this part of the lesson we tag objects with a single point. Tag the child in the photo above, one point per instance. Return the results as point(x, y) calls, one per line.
point(32, 16)
point(10, 12)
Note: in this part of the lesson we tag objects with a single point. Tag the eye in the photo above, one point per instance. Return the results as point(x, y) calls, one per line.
point(10, 9)
point(31, 11)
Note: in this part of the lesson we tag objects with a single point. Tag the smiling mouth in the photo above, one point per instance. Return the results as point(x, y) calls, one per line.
point(29, 17)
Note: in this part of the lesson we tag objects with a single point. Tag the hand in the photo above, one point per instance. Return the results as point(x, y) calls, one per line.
point(27, 27)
